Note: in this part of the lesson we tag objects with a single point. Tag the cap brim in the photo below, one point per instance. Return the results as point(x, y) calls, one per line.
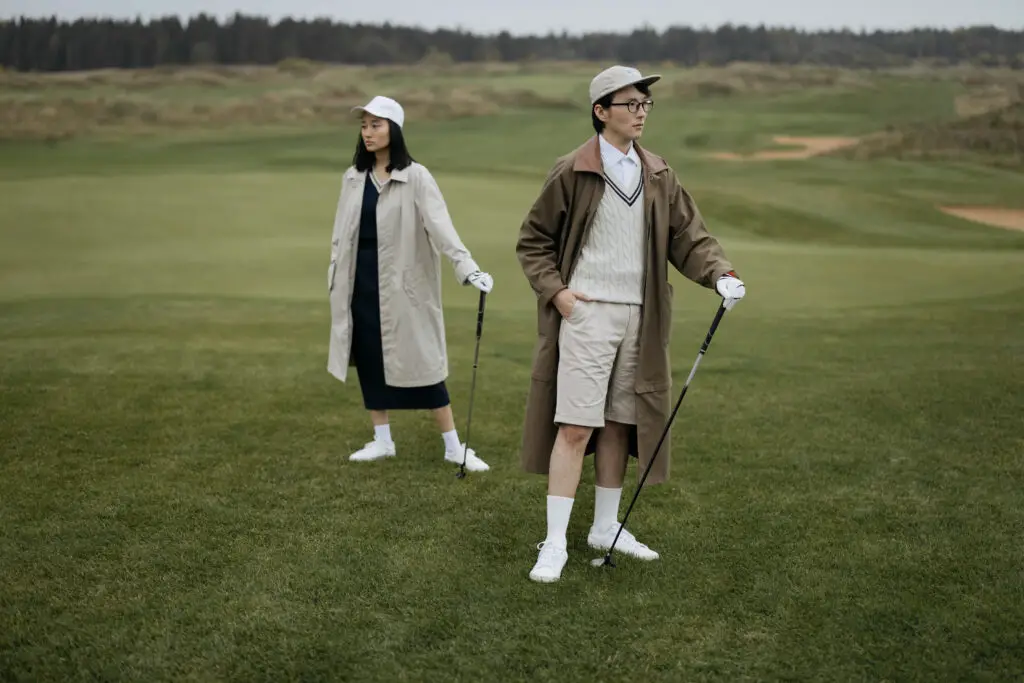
point(380, 115)
point(646, 80)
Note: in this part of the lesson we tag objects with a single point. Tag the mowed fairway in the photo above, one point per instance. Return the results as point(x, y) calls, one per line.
point(846, 499)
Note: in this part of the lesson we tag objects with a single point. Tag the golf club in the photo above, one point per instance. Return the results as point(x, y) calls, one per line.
point(607, 559)
point(472, 387)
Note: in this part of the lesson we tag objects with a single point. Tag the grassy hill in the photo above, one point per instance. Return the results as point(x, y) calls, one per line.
point(995, 137)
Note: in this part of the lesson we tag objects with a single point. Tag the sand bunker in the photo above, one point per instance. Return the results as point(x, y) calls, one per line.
point(1012, 219)
point(810, 147)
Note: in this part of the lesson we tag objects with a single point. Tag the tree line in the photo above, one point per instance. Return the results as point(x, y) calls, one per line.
point(29, 44)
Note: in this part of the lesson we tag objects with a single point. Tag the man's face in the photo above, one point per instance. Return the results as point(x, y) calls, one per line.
point(619, 121)
point(376, 133)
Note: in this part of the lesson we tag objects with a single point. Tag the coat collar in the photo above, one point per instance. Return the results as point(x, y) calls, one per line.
point(588, 158)
point(401, 175)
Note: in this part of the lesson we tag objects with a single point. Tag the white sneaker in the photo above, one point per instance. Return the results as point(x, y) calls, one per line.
point(601, 539)
point(375, 450)
point(473, 463)
point(549, 563)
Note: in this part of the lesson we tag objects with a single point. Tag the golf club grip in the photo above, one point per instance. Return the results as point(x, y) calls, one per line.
point(480, 314)
point(714, 326)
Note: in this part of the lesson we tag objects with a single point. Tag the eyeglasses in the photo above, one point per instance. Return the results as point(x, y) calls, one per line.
point(633, 106)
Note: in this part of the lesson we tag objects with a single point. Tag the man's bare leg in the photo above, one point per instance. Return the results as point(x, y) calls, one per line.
point(564, 472)
point(567, 460)
point(564, 478)
point(609, 473)
point(612, 454)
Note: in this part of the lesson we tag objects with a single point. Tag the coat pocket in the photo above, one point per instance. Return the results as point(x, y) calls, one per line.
point(331, 269)
point(414, 284)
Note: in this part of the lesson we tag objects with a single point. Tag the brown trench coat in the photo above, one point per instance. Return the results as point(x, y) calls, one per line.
point(550, 240)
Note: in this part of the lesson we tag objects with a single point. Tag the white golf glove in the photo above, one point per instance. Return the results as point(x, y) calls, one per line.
point(730, 287)
point(482, 281)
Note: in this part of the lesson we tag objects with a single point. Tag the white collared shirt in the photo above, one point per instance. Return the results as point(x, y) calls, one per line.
point(623, 167)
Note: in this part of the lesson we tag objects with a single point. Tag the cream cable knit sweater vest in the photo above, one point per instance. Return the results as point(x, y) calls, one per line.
point(611, 263)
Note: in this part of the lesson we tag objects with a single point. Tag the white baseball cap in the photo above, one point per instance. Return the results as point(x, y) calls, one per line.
point(385, 108)
point(615, 78)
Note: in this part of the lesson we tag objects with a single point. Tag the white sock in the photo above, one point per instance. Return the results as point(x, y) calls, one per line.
point(606, 507)
point(559, 510)
point(451, 441)
point(382, 433)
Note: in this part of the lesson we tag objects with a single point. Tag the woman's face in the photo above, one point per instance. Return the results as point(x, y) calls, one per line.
point(375, 132)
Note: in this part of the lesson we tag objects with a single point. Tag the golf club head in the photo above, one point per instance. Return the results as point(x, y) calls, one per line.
point(461, 474)
point(605, 561)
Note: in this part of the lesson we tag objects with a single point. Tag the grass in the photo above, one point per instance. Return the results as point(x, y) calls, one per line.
point(845, 500)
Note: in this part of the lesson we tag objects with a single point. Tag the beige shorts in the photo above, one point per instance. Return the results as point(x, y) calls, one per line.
point(598, 345)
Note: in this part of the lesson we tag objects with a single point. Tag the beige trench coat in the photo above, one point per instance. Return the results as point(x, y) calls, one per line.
point(550, 240)
point(413, 230)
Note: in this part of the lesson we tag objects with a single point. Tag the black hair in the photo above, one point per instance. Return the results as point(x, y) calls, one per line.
point(606, 102)
point(399, 155)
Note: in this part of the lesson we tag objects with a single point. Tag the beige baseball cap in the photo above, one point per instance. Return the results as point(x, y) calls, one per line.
point(385, 108)
point(615, 78)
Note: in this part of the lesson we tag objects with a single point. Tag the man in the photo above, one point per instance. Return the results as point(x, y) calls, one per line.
point(595, 248)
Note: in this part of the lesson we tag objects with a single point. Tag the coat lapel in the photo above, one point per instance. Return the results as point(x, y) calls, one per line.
point(650, 166)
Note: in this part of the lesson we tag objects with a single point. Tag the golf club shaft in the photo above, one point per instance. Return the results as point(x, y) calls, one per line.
point(668, 424)
point(472, 386)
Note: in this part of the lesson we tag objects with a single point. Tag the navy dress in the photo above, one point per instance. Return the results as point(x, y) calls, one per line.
point(367, 350)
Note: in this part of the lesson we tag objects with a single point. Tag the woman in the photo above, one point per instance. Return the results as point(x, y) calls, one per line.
point(384, 283)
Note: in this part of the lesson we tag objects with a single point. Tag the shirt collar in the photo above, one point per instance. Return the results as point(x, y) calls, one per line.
point(612, 155)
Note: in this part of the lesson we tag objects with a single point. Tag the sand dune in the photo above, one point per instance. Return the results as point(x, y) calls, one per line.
point(1012, 219)
point(811, 146)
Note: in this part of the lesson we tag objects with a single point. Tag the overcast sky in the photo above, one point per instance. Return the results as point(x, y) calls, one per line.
point(541, 16)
